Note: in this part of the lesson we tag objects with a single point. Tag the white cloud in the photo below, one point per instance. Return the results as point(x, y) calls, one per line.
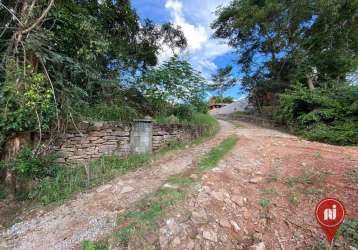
point(202, 50)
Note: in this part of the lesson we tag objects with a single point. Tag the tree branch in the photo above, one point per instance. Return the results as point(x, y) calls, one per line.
point(44, 14)
point(11, 12)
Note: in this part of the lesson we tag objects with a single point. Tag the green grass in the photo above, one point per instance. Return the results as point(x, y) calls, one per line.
point(294, 199)
point(207, 124)
point(181, 181)
point(264, 203)
point(146, 215)
point(348, 231)
point(308, 177)
point(269, 191)
point(104, 112)
point(71, 180)
point(214, 156)
point(87, 245)
point(321, 245)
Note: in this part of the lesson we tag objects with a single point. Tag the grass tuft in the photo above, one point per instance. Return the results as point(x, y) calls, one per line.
point(264, 203)
point(214, 156)
point(71, 180)
point(308, 177)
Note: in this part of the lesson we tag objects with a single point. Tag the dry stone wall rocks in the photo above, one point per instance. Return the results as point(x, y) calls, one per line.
point(89, 141)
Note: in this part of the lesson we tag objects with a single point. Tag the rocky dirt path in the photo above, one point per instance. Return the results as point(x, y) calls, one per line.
point(263, 195)
point(92, 215)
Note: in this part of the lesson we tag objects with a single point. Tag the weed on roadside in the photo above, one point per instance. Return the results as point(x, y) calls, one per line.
point(317, 155)
point(349, 231)
point(294, 199)
point(71, 180)
point(308, 177)
point(214, 156)
point(347, 234)
point(269, 191)
point(320, 245)
point(264, 203)
point(87, 245)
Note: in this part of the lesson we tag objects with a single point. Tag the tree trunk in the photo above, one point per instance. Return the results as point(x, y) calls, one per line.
point(310, 83)
point(11, 149)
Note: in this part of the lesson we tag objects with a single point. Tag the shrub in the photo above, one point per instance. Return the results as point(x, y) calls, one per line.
point(71, 180)
point(104, 112)
point(325, 114)
point(28, 165)
point(200, 106)
point(183, 112)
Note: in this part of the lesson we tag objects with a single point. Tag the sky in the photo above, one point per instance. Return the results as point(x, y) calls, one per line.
point(194, 17)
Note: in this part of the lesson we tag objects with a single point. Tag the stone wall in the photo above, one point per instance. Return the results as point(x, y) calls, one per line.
point(163, 134)
point(90, 141)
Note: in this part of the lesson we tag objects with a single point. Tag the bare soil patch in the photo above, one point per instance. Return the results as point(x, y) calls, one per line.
point(263, 195)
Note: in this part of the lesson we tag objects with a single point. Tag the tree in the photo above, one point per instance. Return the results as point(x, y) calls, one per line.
point(175, 81)
point(280, 42)
point(223, 80)
point(55, 57)
point(221, 99)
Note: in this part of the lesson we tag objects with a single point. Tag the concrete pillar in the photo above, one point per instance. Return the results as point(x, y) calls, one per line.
point(141, 136)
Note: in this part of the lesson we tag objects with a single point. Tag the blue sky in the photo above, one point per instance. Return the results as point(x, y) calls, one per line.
point(194, 17)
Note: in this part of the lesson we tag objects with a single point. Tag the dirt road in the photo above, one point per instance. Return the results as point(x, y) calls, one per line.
point(92, 215)
point(262, 195)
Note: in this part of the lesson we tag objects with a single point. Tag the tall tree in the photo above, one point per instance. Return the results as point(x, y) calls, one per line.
point(280, 42)
point(175, 81)
point(222, 80)
point(57, 55)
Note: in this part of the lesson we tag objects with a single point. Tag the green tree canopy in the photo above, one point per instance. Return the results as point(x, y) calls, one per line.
point(222, 80)
point(175, 81)
point(280, 42)
point(57, 55)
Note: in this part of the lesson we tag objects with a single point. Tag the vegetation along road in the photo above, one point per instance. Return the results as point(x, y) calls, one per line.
point(107, 134)
point(248, 198)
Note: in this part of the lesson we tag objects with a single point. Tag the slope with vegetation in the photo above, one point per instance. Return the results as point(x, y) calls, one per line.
point(67, 61)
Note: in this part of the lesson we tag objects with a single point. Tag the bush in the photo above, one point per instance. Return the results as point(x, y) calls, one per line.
point(28, 165)
point(183, 112)
point(71, 180)
point(328, 115)
point(200, 106)
point(104, 112)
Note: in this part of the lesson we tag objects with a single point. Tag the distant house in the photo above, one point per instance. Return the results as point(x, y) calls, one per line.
point(217, 105)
